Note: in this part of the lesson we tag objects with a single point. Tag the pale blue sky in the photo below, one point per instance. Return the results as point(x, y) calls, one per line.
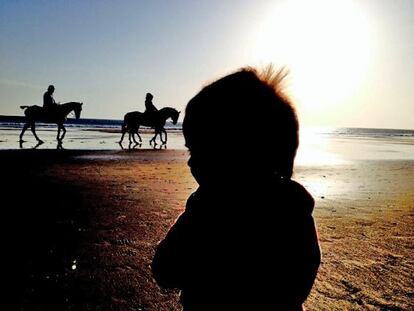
point(108, 54)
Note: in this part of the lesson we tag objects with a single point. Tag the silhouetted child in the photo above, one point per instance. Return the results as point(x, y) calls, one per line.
point(247, 239)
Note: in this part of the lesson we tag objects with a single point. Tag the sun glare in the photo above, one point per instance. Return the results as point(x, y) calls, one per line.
point(324, 44)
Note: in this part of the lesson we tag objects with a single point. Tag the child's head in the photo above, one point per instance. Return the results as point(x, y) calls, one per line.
point(241, 125)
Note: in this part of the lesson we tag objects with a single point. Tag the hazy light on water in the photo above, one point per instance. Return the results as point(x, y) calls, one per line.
point(313, 149)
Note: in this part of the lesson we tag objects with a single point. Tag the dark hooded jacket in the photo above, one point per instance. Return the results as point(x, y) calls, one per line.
point(242, 249)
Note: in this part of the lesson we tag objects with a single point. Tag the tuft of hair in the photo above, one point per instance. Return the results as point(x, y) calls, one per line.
point(272, 76)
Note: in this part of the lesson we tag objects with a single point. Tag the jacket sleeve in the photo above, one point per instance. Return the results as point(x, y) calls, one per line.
point(310, 257)
point(170, 259)
point(307, 252)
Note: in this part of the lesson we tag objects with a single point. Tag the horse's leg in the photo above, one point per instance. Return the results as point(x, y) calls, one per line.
point(34, 133)
point(160, 133)
point(123, 131)
point(165, 133)
point(25, 127)
point(58, 132)
point(130, 136)
point(153, 139)
point(156, 134)
point(133, 137)
point(139, 136)
point(132, 132)
point(64, 132)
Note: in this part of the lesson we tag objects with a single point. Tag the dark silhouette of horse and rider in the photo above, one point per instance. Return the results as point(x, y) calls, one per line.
point(51, 112)
point(151, 117)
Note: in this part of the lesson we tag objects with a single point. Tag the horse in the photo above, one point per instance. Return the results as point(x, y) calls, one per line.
point(156, 120)
point(57, 115)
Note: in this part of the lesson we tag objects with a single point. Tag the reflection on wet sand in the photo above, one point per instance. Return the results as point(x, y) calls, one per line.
point(84, 139)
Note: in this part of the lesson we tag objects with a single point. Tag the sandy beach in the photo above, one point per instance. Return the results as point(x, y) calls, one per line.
point(321, 89)
point(81, 229)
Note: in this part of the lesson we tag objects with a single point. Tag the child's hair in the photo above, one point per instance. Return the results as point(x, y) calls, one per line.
point(244, 121)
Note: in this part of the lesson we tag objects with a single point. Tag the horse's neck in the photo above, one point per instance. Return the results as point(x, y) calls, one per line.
point(167, 113)
point(67, 108)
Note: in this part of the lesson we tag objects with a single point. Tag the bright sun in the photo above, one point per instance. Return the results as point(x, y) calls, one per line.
point(324, 44)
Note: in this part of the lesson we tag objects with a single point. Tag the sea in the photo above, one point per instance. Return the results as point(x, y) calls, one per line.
point(318, 145)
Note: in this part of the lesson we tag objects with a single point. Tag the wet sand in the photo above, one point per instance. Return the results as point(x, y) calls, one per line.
point(81, 228)
point(84, 138)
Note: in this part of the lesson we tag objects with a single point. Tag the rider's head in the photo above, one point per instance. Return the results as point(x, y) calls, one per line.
point(148, 96)
point(242, 108)
point(51, 89)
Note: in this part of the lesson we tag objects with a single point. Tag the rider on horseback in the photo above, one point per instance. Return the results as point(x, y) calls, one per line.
point(49, 104)
point(150, 109)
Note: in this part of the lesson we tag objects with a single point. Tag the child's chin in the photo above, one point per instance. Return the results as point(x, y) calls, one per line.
point(197, 177)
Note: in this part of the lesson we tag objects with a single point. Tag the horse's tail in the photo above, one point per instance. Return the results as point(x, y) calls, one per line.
point(123, 126)
point(24, 107)
point(125, 123)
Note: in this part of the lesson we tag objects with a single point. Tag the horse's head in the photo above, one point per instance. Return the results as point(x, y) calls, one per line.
point(169, 113)
point(77, 109)
point(175, 116)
